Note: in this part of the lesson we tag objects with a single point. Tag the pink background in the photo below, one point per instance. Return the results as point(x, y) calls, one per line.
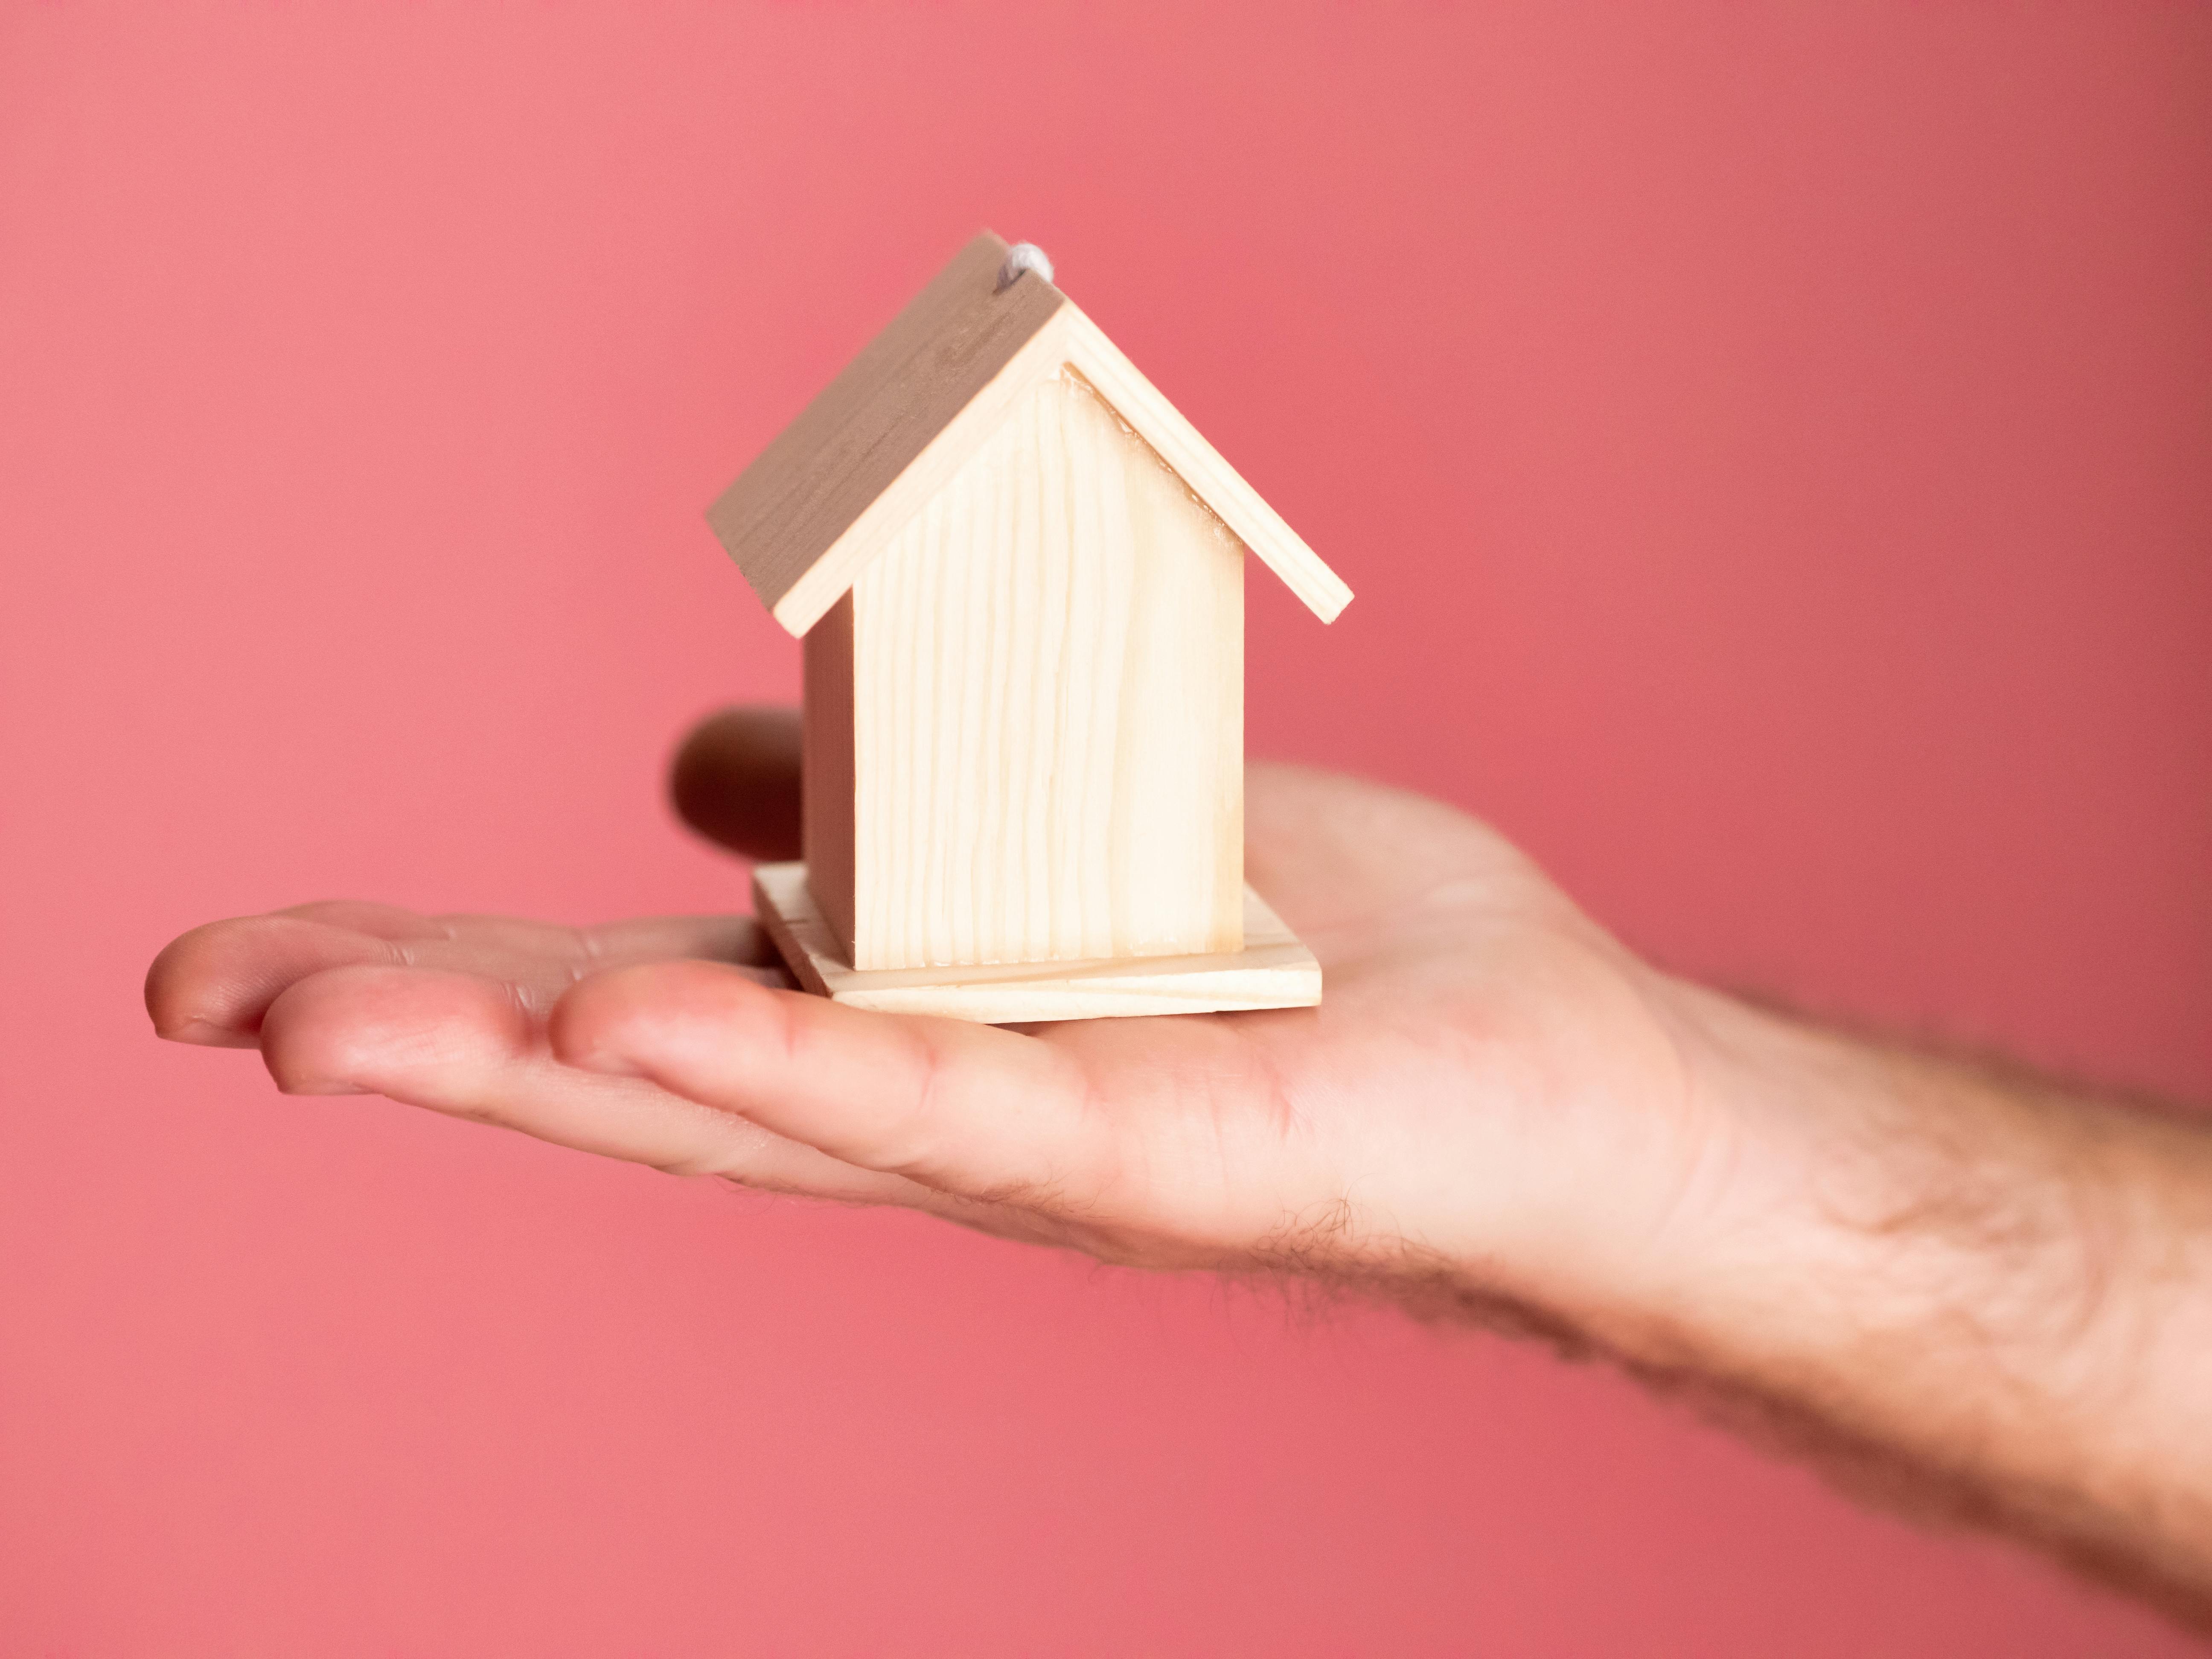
point(1770, 445)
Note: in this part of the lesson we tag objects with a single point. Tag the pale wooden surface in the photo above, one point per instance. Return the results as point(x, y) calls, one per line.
point(1273, 970)
point(826, 783)
point(833, 492)
point(830, 490)
point(1136, 400)
point(1048, 710)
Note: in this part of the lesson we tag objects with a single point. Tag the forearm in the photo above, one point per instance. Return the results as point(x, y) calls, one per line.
point(1986, 1291)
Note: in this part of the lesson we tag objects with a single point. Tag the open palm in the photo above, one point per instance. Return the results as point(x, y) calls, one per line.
point(1491, 1090)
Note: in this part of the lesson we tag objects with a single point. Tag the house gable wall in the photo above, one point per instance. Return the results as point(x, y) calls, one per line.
point(1047, 711)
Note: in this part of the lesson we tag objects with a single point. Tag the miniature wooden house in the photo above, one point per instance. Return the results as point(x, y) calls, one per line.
point(1018, 573)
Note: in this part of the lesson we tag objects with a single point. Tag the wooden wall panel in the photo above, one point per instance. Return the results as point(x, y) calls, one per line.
point(1049, 709)
point(826, 790)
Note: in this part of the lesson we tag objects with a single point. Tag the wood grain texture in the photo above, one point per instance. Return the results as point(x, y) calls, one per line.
point(828, 491)
point(826, 776)
point(1272, 970)
point(1048, 708)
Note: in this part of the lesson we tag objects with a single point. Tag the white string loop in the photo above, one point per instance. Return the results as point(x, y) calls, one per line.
point(1021, 257)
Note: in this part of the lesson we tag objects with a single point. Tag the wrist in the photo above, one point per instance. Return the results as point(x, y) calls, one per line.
point(1984, 1271)
point(1846, 1190)
point(1758, 1205)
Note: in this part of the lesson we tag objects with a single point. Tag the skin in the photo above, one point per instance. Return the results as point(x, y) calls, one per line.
point(1970, 1292)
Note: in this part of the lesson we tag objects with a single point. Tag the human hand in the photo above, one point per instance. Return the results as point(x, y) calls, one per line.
point(1493, 1099)
point(1998, 1291)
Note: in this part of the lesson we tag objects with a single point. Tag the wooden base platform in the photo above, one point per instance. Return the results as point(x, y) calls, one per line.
point(1272, 970)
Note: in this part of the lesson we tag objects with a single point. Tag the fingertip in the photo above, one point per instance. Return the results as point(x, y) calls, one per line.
point(164, 977)
point(378, 1029)
point(628, 1021)
point(213, 986)
point(189, 986)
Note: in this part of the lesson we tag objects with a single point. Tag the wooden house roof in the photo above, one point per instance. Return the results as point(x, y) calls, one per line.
point(838, 484)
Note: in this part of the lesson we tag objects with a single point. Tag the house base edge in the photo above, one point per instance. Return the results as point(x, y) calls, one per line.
point(1273, 970)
